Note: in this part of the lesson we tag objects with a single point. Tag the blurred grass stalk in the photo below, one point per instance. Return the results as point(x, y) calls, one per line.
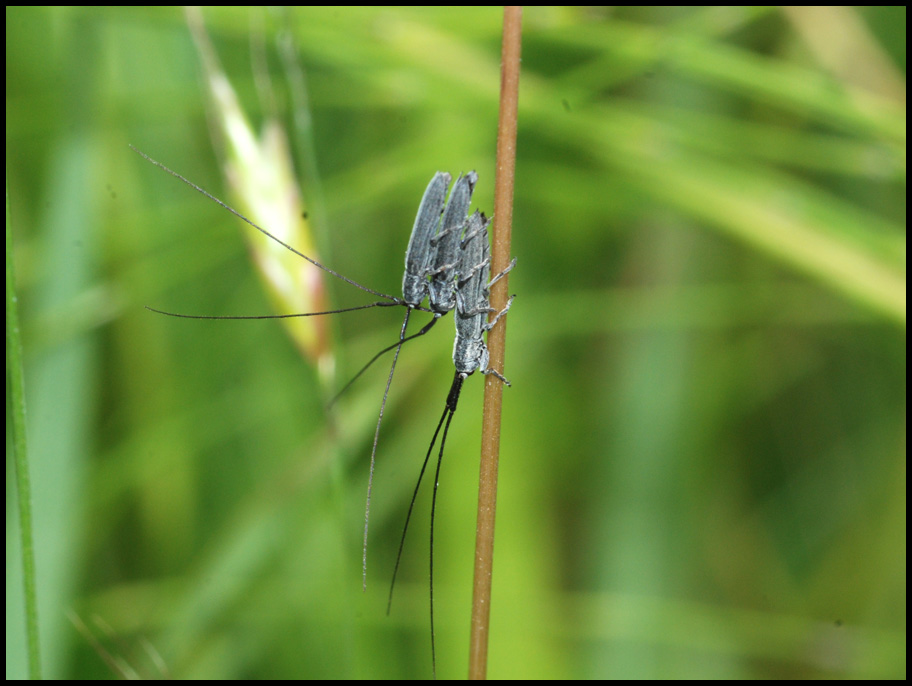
point(260, 174)
point(16, 401)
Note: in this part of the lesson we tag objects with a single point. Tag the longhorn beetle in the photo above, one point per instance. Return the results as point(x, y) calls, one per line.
point(430, 261)
point(470, 354)
point(448, 261)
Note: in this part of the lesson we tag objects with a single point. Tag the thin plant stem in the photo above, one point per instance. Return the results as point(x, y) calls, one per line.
point(500, 257)
point(23, 487)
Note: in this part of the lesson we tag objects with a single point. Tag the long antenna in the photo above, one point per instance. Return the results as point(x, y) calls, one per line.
point(379, 303)
point(395, 300)
point(370, 477)
point(447, 410)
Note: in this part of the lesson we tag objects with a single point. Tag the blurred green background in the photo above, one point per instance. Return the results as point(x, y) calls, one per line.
point(703, 452)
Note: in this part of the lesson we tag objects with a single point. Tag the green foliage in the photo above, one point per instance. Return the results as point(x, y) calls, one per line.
point(703, 454)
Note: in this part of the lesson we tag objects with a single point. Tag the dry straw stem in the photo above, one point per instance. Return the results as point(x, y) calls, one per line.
point(500, 257)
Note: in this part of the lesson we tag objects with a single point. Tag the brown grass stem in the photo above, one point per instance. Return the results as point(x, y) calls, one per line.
point(500, 257)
